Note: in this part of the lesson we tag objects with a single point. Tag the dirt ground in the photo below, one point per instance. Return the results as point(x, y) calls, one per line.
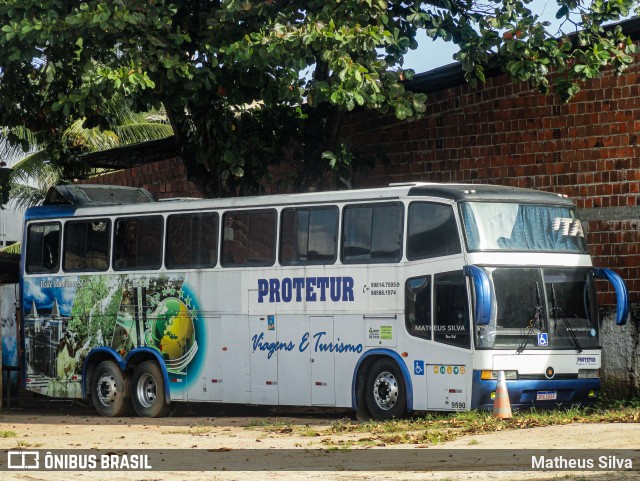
point(66, 426)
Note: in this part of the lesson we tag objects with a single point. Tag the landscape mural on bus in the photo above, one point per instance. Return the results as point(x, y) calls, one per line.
point(66, 317)
point(8, 298)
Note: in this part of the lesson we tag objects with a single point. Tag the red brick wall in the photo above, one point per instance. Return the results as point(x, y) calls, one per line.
point(166, 178)
point(506, 133)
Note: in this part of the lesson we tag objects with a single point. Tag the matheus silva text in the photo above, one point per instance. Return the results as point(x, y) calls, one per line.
point(563, 462)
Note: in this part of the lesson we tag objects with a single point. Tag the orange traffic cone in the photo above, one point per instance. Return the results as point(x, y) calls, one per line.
point(501, 404)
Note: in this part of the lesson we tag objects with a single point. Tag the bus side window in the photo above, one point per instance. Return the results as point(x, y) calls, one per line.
point(138, 243)
point(309, 236)
point(86, 245)
point(43, 248)
point(372, 233)
point(192, 240)
point(418, 306)
point(451, 322)
point(432, 232)
point(249, 238)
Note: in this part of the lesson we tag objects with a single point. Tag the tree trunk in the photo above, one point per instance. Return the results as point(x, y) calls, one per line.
point(202, 173)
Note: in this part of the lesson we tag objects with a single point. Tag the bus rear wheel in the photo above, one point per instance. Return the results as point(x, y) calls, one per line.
point(385, 391)
point(148, 391)
point(110, 390)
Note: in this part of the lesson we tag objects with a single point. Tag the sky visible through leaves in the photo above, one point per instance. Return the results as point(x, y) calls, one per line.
point(432, 54)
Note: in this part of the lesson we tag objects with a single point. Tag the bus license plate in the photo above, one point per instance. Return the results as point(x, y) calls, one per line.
point(546, 396)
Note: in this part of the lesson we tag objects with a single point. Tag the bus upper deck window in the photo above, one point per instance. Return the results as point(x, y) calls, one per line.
point(249, 238)
point(86, 245)
point(43, 248)
point(138, 243)
point(309, 236)
point(372, 233)
point(192, 240)
point(432, 231)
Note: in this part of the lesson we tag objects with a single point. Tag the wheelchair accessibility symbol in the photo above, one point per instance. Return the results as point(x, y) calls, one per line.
point(418, 368)
point(543, 339)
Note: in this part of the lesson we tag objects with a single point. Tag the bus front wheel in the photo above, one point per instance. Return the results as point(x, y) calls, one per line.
point(385, 391)
point(148, 391)
point(110, 390)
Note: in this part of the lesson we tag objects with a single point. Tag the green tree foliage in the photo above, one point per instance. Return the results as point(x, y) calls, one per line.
point(248, 83)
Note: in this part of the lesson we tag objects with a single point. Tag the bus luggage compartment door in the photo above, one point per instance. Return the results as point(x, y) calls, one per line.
point(446, 387)
point(264, 360)
point(322, 362)
point(210, 385)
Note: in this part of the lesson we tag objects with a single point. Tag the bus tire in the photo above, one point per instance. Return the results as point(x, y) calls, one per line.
point(110, 390)
point(385, 390)
point(147, 388)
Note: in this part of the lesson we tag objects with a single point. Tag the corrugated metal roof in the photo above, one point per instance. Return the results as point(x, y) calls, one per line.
point(132, 155)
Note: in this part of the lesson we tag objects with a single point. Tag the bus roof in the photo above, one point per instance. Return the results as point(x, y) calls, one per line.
point(487, 192)
point(451, 192)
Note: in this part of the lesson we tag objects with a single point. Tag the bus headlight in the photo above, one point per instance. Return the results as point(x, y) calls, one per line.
point(493, 375)
point(588, 373)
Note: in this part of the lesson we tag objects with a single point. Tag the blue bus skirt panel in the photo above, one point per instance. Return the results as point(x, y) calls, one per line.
point(399, 361)
point(522, 393)
point(123, 363)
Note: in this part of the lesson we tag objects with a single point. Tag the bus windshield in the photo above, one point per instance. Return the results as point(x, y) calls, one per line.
point(548, 308)
point(506, 226)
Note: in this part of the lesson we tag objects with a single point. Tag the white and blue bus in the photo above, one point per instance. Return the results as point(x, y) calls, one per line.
point(387, 301)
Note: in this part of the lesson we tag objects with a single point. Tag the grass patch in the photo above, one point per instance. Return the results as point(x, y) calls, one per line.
point(436, 428)
point(8, 434)
point(309, 431)
point(282, 427)
point(195, 430)
point(25, 444)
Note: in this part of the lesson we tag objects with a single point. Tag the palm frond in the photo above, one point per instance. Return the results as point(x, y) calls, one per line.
point(122, 111)
point(140, 132)
point(90, 139)
point(23, 196)
point(12, 249)
point(35, 168)
point(11, 152)
point(32, 174)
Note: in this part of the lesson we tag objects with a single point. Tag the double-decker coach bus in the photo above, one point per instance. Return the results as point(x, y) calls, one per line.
point(386, 301)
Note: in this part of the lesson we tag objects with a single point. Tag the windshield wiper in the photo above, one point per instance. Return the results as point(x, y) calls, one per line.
point(534, 323)
point(557, 311)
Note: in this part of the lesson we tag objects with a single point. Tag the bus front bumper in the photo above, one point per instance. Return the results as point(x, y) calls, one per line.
point(541, 394)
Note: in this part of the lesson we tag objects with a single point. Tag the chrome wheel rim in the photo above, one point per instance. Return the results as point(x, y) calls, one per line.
point(146, 390)
point(107, 389)
point(385, 390)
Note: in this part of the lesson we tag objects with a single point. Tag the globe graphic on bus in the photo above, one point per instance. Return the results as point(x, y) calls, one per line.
point(173, 332)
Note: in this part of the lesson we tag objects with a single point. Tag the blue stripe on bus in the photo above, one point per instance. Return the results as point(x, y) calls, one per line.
point(403, 367)
point(50, 212)
point(522, 393)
